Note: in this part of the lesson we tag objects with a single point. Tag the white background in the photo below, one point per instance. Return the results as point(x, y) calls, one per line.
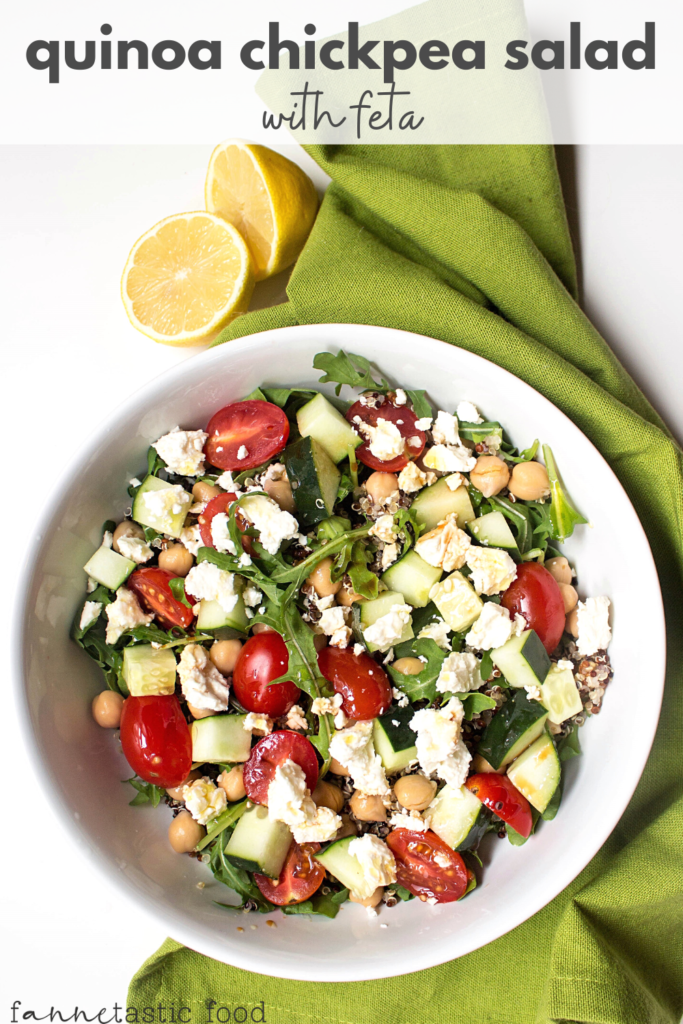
point(70, 356)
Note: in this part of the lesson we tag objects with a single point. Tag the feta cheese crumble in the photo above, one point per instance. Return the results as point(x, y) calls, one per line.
point(183, 451)
point(403, 820)
point(203, 686)
point(390, 553)
point(204, 800)
point(220, 534)
point(446, 546)
point(262, 724)
point(191, 539)
point(91, 613)
point(400, 398)
point(494, 627)
point(206, 582)
point(227, 483)
point(383, 528)
point(454, 481)
point(296, 719)
point(467, 412)
point(377, 864)
point(400, 697)
point(135, 548)
point(387, 630)
point(327, 705)
point(252, 596)
point(354, 749)
point(440, 748)
point(385, 440)
point(450, 459)
point(445, 429)
point(424, 423)
point(492, 569)
point(593, 622)
point(289, 800)
point(412, 478)
point(166, 502)
point(242, 453)
point(438, 632)
point(274, 525)
point(459, 673)
point(124, 613)
point(333, 624)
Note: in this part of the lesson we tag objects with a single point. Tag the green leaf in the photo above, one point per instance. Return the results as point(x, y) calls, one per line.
point(568, 746)
point(224, 820)
point(421, 406)
point(350, 369)
point(177, 586)
point(407, 525)
point(475, 702)
point(525, 456)
point(109, 659)
point(486, 666)
point(147, 793)
point(422, 686)
point(326, 904)
point(289, 399)
point(363, 580)
point(256, 396)
point(236, 879)
point(403, 894)
point(564, 515)
point(155, 463)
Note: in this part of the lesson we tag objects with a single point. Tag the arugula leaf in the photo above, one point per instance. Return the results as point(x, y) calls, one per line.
point(363, 580)
point(475, 702)
point(175, 638)
point(403, 894)
point(326, 904)
point(407, 525)
point(155, 463)
point(224, 820)
point(346, 483)
point(486, 666)
point(255, 396)
point(289, 399)
point(147, 792)
point(568, 746)
point(423, 685)
point(110, 660)
point(421, 406)
point(350, 369)
point(236, 879)
point(524, 456)
point(177, 586)
point(100, 595)
point(564, 515)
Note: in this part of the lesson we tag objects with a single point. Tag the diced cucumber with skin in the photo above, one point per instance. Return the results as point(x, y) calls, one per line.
point(314, 479)
point(412, 577)
point(109, 568)
point(212, 616)
point(258, 843)
point(220, 739)
point(394, 739)
point(371, 611)
point(343, 866)
point(536, 773)
point(457, 817)
point(171, 524)
point(478, 432)
point(457, 600)
point(513, 728)
point(560, 695)
point(523, 660)
point(433, 504)
point(319, 419)
point(149, 671)
point(492, 531)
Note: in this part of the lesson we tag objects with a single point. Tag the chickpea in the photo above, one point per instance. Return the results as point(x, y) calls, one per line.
point(232, 782)
point(347, 828)
point(176, 792)
point(127, 529)
point(184, 832)
point(408, 666)
point(199, 712)
point(336, 768)
point(367, 808)
point(569, 596)
point(414, 792)
point(560, 569)
point(321, 579)
point(281, 493)
point(224, 654)
point(347, 597)
point(529, 481)
point(480, 764)
point(327, 795)
point(381, 486)
point(262, 627)
point(205, 492)
point(369, 901)
point(572, 623)
point(176, 559)
point(490, 475)
point(106, 709)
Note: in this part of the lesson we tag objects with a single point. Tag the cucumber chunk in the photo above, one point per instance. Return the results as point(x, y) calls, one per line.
point(220, 739)
point(513, 728)
point(109, 568)
point(523, 660)
point(560, 695)
point(339, 862)
point(212, 616)
point(169, 522)
point(457, 601)
point(148, 671)
point(433, 504)
point(457, 817)
point(412, 577)
point(492, 531)
point(258, 843)
point(319, 419)
point(314, 479)
point(394, 739)
point(371, 611)
point(478, 432)
point(536, 773)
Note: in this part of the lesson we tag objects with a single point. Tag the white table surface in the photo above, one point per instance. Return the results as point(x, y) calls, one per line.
point(69, 356)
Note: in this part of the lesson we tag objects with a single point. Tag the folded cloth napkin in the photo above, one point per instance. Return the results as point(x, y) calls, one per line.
point(470, 244)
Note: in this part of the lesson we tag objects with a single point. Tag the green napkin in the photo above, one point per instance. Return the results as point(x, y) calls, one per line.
point(470, 245)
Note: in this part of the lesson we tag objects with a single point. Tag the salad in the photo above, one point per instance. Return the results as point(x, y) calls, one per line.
point(341, 643)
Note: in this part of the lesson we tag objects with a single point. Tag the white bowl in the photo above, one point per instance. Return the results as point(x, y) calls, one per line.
point(83, 768)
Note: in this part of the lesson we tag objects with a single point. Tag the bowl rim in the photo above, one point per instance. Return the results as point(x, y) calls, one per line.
point(166, 915)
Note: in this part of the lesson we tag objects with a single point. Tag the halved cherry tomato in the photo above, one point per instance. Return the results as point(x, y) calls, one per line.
point(536, 595)
point(151, 586)
point(259, 427)
point(498, 794)
point(156, 739)
point(272, 751)
point(262, 658)
point(221, 503)
point(300, 877)
point(426, 865)
point(404, 419)
point(363, 684)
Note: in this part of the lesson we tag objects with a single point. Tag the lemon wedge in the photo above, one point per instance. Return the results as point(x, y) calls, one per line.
point(186, 278)
point(269, 199)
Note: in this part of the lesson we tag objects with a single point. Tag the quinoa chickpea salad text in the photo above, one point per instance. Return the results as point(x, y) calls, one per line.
point(341, 644)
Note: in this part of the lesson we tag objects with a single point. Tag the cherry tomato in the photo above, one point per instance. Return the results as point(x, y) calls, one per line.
point(536, 595)
point(301, 875)
point(259, 427)
point(405, 421)
point(272, 751)
point(221, 503)
point(426, 866)
point(498, 794)
point(156, 739)
point(151, 586)
point(363, 684)
point(262, 658)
